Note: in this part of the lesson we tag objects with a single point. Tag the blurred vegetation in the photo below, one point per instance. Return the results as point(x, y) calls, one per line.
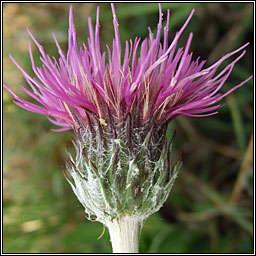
point(210, 209)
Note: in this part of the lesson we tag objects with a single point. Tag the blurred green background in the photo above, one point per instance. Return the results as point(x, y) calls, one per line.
point(210, 209)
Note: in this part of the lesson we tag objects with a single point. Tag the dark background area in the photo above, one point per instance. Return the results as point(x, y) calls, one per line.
point(210, 208)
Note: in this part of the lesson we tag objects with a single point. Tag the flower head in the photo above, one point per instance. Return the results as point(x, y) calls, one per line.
point(119, 108)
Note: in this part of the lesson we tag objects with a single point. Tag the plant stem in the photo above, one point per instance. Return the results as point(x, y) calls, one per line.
point(124, 234)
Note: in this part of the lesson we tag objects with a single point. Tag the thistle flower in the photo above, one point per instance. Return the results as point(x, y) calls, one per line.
point(119, 109)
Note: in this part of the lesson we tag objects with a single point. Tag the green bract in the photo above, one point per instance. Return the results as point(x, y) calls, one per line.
point(124, 171)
